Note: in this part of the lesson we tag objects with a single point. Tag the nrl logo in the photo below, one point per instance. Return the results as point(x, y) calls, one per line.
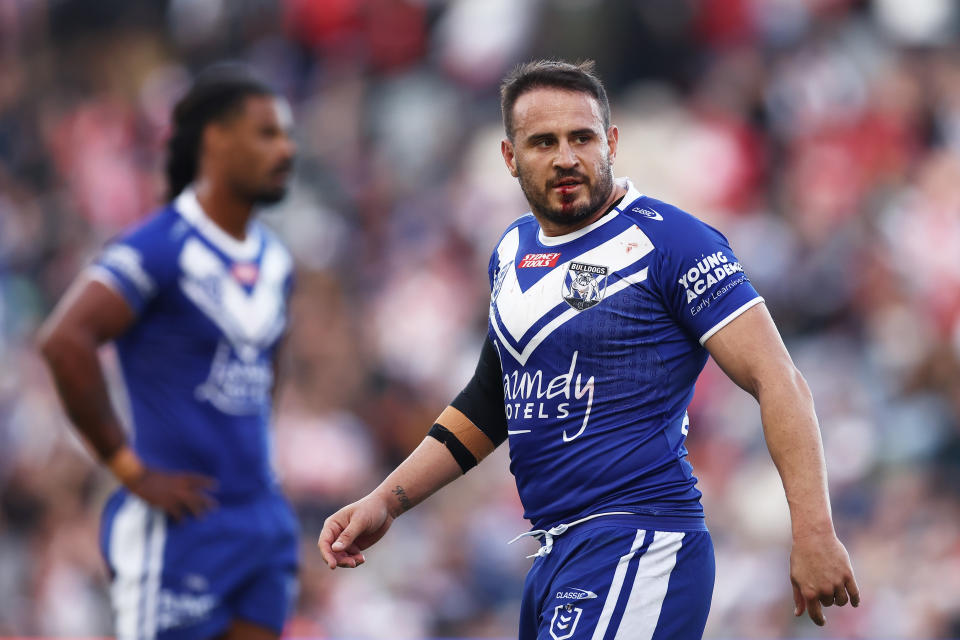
point(584, 285)
point(564, 623)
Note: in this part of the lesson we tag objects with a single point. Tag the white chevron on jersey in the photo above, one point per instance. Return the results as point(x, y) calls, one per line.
point(520, 310)
point(247, 319)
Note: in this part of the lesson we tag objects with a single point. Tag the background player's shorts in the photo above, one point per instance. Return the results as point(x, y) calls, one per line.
point(188, 580)
point(607, 579)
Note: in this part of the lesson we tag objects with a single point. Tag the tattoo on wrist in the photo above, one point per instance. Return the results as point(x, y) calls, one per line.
point(405, 503)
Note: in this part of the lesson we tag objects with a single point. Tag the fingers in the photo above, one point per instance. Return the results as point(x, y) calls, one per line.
point(850, 584)
point(197, 503)
point(199, 482)
point(840, 596)
point(799, 604)
point(331, 529)
point(815, 611)
point(349, 534)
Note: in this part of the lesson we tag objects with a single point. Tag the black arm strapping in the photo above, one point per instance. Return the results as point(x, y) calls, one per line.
point(458, 450)
point(482, 399)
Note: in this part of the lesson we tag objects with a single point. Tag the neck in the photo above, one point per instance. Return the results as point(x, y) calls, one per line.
point(551, 228)
point(227, 210)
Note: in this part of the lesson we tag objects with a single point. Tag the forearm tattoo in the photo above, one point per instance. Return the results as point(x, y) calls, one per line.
point(405, 503)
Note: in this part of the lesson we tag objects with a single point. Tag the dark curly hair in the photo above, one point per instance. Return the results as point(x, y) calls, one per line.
point(217, 93)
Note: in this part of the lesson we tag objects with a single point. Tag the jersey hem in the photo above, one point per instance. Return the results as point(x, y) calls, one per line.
point(730, 318)
point(645, 521)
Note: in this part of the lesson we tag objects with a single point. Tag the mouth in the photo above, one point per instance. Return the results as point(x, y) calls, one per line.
point(566, 185)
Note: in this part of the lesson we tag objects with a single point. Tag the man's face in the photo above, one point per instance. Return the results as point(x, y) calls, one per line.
point(561, 154)
point(257, 151)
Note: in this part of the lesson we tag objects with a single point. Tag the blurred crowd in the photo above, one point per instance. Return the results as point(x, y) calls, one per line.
point(821, 136)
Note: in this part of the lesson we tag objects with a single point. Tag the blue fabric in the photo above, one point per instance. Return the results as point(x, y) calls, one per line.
point(598, 335)
point(198, 362)
point(238, 561)
point(596, 566)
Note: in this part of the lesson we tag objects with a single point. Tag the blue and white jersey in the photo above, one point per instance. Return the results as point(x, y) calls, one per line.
point(198, 362)
point(600, 335)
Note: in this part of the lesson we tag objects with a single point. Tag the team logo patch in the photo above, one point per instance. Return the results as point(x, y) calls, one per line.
point(538, 260)
point(584, 285)
point(564, 623)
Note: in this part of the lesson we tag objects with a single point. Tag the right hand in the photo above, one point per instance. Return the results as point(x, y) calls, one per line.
point(352, 529)
point(177, 494)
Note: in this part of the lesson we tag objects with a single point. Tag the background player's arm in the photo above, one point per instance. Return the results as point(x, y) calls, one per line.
point(751, 352)
point(466, 432)
point(89, 315)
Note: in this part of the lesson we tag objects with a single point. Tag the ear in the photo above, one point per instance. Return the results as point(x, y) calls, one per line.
point(214, 138)
point(506, 149)
point(613, 140)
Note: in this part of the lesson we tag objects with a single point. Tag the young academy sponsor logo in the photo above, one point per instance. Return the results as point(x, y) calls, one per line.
point(584, 285)
point(706, 274)
point(532, 260)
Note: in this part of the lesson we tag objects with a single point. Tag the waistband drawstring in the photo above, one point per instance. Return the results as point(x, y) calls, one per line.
point(549, 534)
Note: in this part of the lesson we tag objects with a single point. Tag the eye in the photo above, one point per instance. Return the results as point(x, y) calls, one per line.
point(543, 143)
point(582, 139)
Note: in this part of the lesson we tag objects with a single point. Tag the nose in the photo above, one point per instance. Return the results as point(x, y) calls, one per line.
point(289, 147)
point(565, 158)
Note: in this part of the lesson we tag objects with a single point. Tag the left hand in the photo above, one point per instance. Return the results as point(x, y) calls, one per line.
point(822, 576)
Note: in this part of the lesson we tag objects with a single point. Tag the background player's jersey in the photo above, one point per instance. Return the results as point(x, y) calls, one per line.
point(198, 362)
point(600, 336)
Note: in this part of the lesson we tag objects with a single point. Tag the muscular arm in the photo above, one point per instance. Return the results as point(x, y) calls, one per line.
point(89, 315)
point(752, 354)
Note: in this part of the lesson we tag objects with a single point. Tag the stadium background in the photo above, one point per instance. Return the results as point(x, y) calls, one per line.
point(822, 136)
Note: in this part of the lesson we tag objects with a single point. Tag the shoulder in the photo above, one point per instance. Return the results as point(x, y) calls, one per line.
point(524, 222)
point(509, 241)
point(151, 240)
point(160, 229)
point(670, 227)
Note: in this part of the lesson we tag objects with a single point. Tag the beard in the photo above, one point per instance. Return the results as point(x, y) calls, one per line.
point(268, 191)
point(268, 197)
point(539, 197)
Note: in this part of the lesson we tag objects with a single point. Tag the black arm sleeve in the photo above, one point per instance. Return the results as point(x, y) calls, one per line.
point(482, 399)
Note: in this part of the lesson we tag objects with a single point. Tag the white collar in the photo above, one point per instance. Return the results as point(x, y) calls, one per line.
point(631, 195)
point(190, 210)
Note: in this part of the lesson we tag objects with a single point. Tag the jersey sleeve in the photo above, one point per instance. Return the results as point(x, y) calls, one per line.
point(135, 266)
point(703, 284)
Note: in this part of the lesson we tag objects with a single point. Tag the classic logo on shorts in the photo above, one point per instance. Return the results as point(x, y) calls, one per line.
point(564, 623)
point(584, 285)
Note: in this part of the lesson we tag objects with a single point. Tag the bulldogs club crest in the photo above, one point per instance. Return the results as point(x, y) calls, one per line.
point(564, 622)
point(584, 285)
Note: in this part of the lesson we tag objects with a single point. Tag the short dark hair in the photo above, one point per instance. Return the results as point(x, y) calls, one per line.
point(553, 74)
point(217, 93)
